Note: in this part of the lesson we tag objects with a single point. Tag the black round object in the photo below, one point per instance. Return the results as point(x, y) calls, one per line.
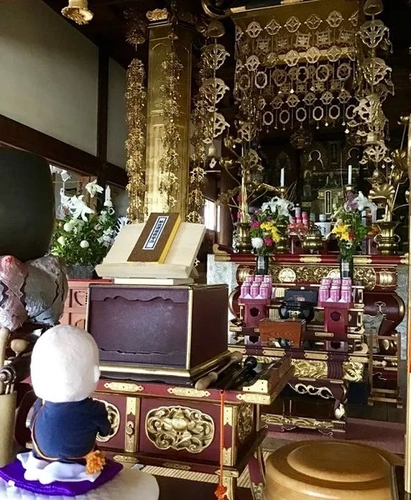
point(27, 210)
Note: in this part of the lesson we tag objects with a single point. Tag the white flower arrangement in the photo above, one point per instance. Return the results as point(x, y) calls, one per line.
point(84, 237)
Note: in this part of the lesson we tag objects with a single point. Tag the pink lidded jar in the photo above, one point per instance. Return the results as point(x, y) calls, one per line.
point(265, 291)
point(334, 293)
point(324, 293)
point(346, 294)
point(255, 290)
point(245, 290)
point(249, 279)
point(258, 278)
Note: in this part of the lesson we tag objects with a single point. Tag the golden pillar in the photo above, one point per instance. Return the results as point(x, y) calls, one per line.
point(162, 37)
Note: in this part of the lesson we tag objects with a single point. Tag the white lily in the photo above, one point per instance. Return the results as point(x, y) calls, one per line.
point(93, 188)
point(79, 209)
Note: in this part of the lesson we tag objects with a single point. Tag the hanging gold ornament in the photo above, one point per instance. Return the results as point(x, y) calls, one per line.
point(170, 164)
point(78, 11)
point(136, 140)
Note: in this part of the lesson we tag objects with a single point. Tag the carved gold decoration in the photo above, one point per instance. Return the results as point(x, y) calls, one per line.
point(208, 124)
point(136, 27)
point(157, 15)
point(263, 42)
point(353, 371)
point(170, 163)
point(301, 422)
point(136, 140)
point(310, 369)
point(188, 392)
point(245, 421)
point(366, 276)
point(308, 274)
point(179, 428)
point(78, 12)
point(123, 387)
point(287, 275)
point(114, 419)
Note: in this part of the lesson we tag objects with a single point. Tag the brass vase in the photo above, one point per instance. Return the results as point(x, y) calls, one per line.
point(283, 245)
point(387, 241)
point(244, 238)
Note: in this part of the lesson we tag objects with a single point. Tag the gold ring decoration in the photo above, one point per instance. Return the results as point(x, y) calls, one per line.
point(114, 419)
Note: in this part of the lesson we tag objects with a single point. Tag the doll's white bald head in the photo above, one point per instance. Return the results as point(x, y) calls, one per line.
point(65, 365)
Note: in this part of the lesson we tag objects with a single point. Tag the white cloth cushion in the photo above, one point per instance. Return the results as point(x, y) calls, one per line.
point(127, 485)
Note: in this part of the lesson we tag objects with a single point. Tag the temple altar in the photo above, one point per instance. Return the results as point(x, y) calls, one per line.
point(326, 374)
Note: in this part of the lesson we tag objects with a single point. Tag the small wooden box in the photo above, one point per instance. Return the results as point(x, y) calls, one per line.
point(163, 332)
point(288, 329)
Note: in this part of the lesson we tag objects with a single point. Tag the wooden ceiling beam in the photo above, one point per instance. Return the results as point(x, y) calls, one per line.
point(17, 135)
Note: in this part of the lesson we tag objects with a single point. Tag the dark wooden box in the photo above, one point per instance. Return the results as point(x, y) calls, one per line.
point(177, 329)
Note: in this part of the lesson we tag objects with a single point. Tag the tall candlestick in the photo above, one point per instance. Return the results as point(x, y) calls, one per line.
point(282, 178)
point(349, 174)
point(107, 201)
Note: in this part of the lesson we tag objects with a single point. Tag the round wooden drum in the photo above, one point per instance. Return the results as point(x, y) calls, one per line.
point(329, 470)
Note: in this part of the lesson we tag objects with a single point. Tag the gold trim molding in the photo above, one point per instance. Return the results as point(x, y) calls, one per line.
point(188, 392)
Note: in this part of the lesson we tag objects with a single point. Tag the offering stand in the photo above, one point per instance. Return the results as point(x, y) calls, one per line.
point(322, 371)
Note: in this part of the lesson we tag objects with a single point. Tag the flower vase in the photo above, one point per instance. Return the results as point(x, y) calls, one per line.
point(262, 264)
point(347, 266)
point(80, 272)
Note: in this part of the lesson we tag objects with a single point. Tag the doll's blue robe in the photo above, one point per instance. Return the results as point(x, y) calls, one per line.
point(67, 431)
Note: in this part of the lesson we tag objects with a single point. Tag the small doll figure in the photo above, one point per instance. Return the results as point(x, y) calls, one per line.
point(65, 420)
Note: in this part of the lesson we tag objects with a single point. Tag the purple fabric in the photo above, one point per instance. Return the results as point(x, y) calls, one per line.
point(15, 472)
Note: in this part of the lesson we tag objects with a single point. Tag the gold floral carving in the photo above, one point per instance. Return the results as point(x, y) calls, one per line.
point(309, 274)
point(353, 371)
point(310, 369)
point(123, 387)
point(367, 276)
point(114, 419)
point(136, 97)
point(179, 428)
point(245, 421)
point(170, 163)
point(188, 392)
point(157, 15)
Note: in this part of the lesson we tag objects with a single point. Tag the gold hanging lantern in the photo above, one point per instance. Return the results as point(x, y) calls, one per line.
point(78, 11)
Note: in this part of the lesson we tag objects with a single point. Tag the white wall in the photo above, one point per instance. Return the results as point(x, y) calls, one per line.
point(48, 73)
point(117, 127)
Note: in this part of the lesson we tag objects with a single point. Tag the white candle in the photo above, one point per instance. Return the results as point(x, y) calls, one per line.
point(349, 175)
point(108, 195)
point(282, 178)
